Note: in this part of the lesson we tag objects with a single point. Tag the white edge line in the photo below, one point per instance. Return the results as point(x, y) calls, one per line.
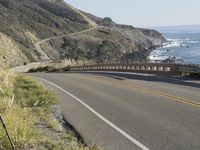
point(100, 116)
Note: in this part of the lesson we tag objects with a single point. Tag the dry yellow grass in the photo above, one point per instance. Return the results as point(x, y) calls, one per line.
point(20, 99)
point(18, 120)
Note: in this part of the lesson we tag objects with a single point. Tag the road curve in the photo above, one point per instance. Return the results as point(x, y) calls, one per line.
point(129, 111)
point(43, 55)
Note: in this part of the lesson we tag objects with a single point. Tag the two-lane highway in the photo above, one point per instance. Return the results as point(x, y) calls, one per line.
point(129, 111)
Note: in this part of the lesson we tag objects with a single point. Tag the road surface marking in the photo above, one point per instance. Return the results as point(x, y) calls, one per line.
point(154, 92)
point(140, 145)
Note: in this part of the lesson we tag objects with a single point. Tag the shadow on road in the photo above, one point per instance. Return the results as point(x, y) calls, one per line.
point(145, 77)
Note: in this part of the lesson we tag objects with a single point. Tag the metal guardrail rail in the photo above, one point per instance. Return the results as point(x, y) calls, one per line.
point(189, 70)
point(155, 68)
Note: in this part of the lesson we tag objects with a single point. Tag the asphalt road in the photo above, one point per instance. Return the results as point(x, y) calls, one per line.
point(122, 111)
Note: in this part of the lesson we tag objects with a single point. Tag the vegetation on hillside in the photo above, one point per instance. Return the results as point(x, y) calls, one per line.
point(29, 21)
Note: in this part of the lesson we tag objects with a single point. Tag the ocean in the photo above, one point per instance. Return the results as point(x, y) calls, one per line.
point(182, 46)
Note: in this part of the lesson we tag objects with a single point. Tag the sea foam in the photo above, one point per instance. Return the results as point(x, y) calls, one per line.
point(173, 43)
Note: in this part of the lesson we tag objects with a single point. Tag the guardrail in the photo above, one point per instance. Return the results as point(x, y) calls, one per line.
point(189, 70)
point(155, 68)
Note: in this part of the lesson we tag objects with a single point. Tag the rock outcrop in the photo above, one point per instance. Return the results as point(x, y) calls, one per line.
point(10, 52)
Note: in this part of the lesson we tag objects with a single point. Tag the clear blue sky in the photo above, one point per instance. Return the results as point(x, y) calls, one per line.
point(144, 13)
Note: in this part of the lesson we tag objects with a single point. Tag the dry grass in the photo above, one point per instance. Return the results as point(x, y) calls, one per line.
point(23, 104)
point(20, 124)
point(32, 94)
point(18, 120)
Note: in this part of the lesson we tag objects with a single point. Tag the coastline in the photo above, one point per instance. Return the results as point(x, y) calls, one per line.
point(179, 46)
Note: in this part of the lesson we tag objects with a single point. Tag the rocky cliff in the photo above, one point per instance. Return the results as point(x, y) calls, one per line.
point(24, 22)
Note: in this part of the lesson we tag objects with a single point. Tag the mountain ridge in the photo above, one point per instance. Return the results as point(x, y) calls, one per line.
point(30, 21)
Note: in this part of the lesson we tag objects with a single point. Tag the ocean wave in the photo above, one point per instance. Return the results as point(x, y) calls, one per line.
point(178, 48)
point(194, 42)
point(172, 43)
point(158, 57)
point(189, 41)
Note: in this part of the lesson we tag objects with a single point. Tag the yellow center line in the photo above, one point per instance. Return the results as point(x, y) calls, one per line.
point(144, 90)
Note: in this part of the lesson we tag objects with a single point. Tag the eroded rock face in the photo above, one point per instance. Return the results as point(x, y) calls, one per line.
point(28, 21)
point(106, 44)
point(10, 53)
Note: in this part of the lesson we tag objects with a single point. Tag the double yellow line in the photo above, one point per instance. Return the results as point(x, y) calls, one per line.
point(170, 97)
point(144, 90)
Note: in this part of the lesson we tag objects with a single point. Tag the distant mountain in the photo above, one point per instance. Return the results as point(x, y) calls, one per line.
point(179, 29)
point(24, 22)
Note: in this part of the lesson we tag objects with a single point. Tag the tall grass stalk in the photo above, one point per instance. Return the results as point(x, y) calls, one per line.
point(21, 98)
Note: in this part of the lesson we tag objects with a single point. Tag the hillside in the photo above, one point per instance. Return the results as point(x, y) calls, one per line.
point(26, 22)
